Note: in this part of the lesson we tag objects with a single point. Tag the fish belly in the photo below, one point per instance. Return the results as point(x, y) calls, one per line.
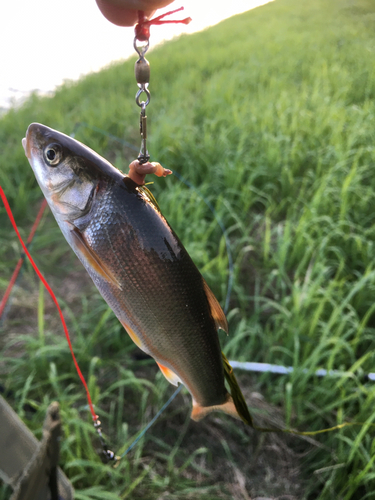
point(160, 297)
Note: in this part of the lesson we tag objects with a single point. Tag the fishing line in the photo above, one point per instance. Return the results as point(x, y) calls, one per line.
point(97, 423)
point(247, 366)
point(227, 245)
point(143, 431)
point(20, 262)
point(142, 34)
point(53, 297)
point(142, 28)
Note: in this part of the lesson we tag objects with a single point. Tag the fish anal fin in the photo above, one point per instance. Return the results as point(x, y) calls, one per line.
point(216, 310)
point(132, 334)
point(88, 253)
point(169, 374)
point(199, 412)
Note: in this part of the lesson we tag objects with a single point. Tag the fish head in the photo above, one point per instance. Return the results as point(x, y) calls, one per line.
point(62, 174)
point(67, 171)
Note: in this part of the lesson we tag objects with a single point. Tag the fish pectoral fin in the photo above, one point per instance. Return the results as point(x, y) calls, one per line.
point(216, 310)
point(169, 374)
point(99, 267)
point(198, 412)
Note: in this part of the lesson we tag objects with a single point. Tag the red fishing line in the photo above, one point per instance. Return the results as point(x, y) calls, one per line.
point(142, 29)
point(40, 276)
point(17, 269)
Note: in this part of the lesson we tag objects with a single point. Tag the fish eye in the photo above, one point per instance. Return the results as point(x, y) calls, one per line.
point(53, 154)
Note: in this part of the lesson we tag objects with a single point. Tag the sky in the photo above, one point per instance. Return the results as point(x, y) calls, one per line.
point(44, 42)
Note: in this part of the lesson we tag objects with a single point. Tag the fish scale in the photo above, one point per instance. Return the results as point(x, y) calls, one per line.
point(178, 315)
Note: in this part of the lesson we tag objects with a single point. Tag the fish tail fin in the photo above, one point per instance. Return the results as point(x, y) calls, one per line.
point(238, 400)
point(235, 404)
point(228, 407)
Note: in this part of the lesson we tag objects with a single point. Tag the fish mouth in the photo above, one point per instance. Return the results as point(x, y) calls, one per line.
point(28, 142)
point(26, 147)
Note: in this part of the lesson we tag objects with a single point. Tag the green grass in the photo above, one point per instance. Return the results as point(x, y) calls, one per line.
point(271, 115)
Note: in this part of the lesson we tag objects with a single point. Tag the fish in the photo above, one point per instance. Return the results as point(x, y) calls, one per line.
point(140, 267)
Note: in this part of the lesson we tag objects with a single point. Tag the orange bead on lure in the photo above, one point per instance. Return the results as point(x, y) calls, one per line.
point(139, 266)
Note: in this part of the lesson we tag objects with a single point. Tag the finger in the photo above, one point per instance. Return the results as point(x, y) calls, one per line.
point(119, 15)
point(125, 12)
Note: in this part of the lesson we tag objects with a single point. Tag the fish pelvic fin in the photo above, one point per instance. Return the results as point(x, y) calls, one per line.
point(199, 412)
point(239, 402)
point(216, 310)
point(169, 374)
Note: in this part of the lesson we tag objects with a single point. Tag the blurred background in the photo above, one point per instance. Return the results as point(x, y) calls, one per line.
point(270, 117)
point(75, 39)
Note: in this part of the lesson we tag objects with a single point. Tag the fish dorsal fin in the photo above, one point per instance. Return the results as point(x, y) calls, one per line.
point(146, 192)
point(216, 310)
point(90, 256)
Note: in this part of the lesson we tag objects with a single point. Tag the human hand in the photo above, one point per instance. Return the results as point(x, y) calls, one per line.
point(125, 12)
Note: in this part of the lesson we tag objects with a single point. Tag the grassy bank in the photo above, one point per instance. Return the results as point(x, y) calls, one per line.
point(271, 115)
